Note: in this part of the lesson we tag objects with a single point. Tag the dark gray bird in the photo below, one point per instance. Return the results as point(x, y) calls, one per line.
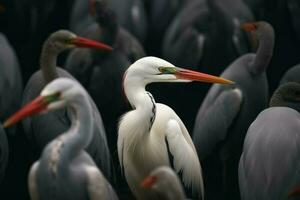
point(194, 39)
point(81, 15)
point(197, 38)
point(226, 113)
point(269, 165)
point(4, 153)
point(165, 183)
point(65, 170)
point(42, 129)
point(10, 81)
point(89, 66)
point(130, 14)
point(160, 15)
point(292, 75)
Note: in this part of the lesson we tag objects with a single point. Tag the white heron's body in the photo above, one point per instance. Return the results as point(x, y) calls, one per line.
point(149, 131)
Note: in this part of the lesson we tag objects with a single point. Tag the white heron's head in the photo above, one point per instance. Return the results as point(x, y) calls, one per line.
point(56, 95)
point(153, 69)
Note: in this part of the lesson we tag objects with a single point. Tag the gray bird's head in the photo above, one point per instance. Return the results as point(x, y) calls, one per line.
point(165, 182)
point(62, 40)
point(287, 95)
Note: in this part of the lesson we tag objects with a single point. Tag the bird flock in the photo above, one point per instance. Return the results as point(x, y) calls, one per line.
point(150, 99)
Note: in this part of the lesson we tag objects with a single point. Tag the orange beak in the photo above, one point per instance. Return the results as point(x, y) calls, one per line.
point(149, 181)
point(248, 27)
point(198, 76)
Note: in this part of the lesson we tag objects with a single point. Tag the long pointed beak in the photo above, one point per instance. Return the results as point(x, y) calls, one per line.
point(36, 106)
point(198, 76)
point(149, 181)
point(87, 43)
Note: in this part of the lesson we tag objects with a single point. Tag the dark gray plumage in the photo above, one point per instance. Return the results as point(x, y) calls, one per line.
point(160, 15)
point(89, 66)
point(4, 153)
point(269, 166)
point(43, 128)
point(80, 16)
point(131, 15)
point(227, 112)
point(10, 81)
point(65, 171)
point(292, 75)
point(257, 7)
point(194, 39)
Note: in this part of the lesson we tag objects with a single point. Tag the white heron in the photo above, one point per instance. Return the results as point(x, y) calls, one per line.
point(148, 132)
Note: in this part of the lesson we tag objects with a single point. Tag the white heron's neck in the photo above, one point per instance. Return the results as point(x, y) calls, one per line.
point(142, 101)
point(48, 61)
point(80, 134)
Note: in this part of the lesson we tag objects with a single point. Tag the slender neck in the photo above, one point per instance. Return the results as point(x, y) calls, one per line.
point(48, 61)
point(80, 134)
point(264, 52)
point(142, 101)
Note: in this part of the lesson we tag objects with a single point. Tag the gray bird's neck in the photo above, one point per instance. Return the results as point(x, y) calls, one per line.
point(80, 134)
point(48, 61)
point(265, 49)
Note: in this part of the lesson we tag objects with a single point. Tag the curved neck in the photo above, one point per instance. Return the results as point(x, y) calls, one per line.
point(142, 101)
point(80, 134)
point(264, 52)
point(48, 61)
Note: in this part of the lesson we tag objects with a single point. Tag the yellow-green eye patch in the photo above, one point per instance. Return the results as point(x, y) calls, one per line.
point(53, 97)
point(167, 70)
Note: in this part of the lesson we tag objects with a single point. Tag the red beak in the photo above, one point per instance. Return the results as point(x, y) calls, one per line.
point(248, 27)
point(198, 76)
point(38, 105)
point(149, 181)
point(86, 43)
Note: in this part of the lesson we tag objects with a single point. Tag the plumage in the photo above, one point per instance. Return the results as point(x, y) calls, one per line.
point(37, 128)
point(291, 75)
point(65, 170)
point(131, 15)
point(11, 80)
point(143, 132)
point(89, 66)
point(226, 113)
point(165, 183)
point(269, 165)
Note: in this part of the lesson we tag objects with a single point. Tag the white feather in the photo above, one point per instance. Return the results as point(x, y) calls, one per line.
point(185, 157)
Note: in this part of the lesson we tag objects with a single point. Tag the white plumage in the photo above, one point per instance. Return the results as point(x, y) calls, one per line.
point(143, 132)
